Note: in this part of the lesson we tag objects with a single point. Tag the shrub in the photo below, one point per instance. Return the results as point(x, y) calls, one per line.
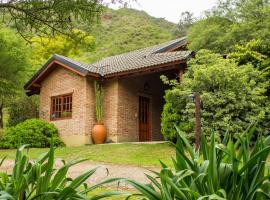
point(226, 171)
point(2, 133)
point(40, 181)
point(35, 132)
point(22, 109)
point(232, 97)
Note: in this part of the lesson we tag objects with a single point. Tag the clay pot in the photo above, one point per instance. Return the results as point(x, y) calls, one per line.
point(99, 133)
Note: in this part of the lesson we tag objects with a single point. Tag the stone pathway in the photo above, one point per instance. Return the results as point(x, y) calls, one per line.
point(123, 171)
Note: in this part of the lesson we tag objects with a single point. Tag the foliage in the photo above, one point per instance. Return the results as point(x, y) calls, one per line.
point(45, 47)
point(34, 132)
point(2, 133)
point(125, 30)
point(13, 62)
point(236, 22)
point(232, 26)
point(21, 109)
point(229, 170)
point(212, 30)
point(39, 180)
point(99, 101)
point(254, 52)
point(232, 97)
point(49, 17)
point(187, 19)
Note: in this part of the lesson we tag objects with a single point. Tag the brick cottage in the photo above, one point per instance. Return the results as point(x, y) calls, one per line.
point(133, 92)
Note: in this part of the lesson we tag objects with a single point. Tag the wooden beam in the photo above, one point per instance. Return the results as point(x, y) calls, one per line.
point(48, 69)
point(181, 74)
point(36, 85)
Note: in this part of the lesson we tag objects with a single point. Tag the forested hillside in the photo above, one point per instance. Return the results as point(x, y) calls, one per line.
point(125, 30)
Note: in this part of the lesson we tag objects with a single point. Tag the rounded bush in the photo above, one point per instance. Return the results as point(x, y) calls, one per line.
point(34, 132)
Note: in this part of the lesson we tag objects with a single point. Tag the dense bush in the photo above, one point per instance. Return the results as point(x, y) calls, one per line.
point(229, 170)
point(34, 132)
point(40, 181)
point(232, 97)
point(232, 26)
point(22, 109)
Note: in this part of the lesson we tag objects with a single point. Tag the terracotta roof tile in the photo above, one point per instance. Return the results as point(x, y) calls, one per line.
point(138, 59)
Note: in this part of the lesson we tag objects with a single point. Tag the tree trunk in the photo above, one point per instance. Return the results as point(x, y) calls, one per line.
point(1, 115)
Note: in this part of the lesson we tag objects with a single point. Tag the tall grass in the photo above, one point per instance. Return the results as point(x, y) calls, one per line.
point(228, 170)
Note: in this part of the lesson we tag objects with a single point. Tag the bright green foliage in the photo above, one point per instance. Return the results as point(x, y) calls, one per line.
point(99, 101)
point(34, 132)
point(44, 47)
point(39, 180)
point(229, 170)
point(254, 52)
point(21, 109)
point(232, 97)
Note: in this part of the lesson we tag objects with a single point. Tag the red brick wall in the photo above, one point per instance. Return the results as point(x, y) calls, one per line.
point(129, 91)
point(120, 105)
point(75, 131)
point(110, 110)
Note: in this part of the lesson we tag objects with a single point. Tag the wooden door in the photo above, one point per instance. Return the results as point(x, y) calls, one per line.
point(144, 119)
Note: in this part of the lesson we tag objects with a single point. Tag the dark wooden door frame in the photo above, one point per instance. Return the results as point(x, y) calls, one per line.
point(150, 114)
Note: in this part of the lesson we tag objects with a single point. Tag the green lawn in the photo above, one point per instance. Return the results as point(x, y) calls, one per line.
point(145, 155)
point(119, 197)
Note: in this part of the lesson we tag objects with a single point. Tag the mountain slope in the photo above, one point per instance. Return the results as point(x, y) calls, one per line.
point(125, 30)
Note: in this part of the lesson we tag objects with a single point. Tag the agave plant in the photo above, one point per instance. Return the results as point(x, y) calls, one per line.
point(230, 170)
point(39, 180)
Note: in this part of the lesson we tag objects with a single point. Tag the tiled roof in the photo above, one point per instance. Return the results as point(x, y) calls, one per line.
point(134, 60)
point(137, 59)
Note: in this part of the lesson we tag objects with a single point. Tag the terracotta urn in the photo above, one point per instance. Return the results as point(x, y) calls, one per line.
point(99, 133)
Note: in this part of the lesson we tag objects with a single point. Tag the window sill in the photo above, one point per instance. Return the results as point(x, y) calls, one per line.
point(61, 119)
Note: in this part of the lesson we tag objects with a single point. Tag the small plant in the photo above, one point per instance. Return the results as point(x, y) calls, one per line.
point(34, 132)
point(99, 100)
point(40, 181)
point(230, 170)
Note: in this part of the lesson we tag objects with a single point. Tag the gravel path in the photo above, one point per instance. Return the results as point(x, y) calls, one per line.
point(123, 171)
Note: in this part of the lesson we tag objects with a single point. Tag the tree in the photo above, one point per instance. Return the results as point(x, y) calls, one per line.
point(232, 97)
point(21, 109)
point(48, 17)
point(44, 47)
point(234, 23)
point(185, 22)
point(13, 63)
point(237, 21)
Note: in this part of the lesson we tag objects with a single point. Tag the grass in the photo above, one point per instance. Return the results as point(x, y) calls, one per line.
point(120, 197)
point(143, 155)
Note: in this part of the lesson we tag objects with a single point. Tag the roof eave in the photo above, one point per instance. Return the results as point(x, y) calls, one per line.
point(147, 70)
point(55, 59)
